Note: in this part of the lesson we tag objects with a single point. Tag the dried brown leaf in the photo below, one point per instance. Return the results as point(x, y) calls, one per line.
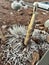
point(35, 57)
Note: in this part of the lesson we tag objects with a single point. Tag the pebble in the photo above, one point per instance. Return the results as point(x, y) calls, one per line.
point(16, 5)
point(41, 28)
point(46, 24)
point(4, 26)
point(44, 13)
point(11, 13)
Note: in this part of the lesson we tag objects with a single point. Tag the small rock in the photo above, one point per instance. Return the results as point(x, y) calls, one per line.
point(41, 28)
point(46, 24)
point(43, 13)
point(11, 13)
point(16, 5)
point(4, 26)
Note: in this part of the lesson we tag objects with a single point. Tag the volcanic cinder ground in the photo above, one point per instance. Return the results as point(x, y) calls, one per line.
point(13, 27)
point(9, 16)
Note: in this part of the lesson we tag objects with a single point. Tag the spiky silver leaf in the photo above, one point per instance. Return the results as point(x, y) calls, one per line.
point(14, 51)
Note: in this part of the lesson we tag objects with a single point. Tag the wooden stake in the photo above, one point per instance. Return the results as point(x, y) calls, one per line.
point(30, 27)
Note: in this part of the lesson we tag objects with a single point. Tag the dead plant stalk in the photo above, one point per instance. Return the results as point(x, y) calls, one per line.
point(31, 26)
